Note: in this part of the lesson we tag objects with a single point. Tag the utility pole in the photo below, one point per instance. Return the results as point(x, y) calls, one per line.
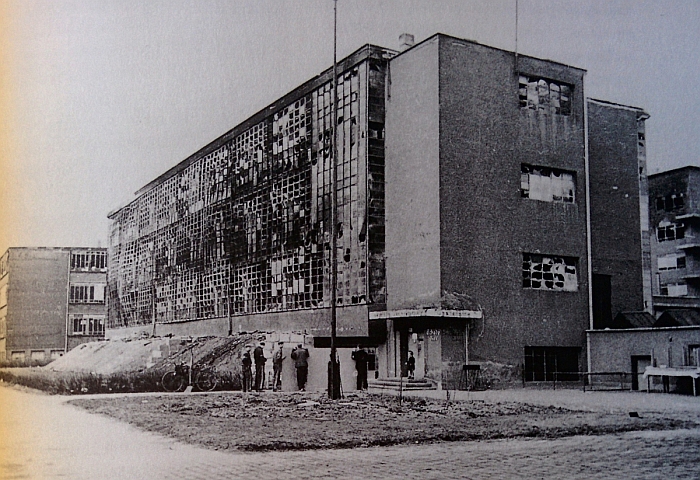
point(333, 365)
point(153, 287)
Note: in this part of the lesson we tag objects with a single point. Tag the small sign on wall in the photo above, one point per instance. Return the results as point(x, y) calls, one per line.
point(433, 334)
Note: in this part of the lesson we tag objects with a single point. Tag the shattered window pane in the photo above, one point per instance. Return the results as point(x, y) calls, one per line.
point(536, 93)
point(547, 184)
point(541, 272)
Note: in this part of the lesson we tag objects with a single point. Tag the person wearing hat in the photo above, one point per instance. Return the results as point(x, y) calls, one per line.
point(246, 363)
point(277, 359)
point(300, 355)
point(361, 358)
point(259, 357)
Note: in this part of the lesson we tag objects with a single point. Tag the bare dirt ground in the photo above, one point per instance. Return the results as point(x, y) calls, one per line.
point(301, 421)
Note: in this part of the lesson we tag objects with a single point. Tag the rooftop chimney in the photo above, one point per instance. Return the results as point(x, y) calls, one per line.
point(406, 41)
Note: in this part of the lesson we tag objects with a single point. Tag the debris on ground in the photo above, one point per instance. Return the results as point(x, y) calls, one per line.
point(272, 421)
point(155, 354)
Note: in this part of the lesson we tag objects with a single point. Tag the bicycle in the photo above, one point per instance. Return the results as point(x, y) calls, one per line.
point(204, 378)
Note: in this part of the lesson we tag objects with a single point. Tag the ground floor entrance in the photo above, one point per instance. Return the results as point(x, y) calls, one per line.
point(433, 344)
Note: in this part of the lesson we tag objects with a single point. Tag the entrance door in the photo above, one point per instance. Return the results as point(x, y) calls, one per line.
point(639, 363)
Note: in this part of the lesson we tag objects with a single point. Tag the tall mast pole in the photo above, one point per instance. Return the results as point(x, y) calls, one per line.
point(334, 369)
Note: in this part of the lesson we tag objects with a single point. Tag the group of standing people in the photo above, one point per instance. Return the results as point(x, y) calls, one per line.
point(300, 355)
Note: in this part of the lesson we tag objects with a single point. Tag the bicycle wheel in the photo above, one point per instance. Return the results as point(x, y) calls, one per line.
point(206, 381)
point(172, 382)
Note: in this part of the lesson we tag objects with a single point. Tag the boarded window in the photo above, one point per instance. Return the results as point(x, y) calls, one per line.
point(547, 184)
point(541, 272)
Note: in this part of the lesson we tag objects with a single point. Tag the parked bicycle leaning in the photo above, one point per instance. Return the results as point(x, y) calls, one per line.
point(204, 378)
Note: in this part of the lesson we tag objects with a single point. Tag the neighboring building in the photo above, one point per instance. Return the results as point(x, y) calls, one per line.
point(669, 344)
point(620, 248)
point(476, 160)
point(674, 204)
point(51, 299)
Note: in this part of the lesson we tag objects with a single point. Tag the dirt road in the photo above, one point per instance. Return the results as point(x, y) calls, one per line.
point(45, 438)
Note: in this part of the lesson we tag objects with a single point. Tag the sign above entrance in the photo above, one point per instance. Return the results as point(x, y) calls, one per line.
point(425, 312)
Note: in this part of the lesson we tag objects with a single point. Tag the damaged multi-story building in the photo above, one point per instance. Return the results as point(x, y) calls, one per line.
point(463, 225)
point(51, 300)
point(674, 213)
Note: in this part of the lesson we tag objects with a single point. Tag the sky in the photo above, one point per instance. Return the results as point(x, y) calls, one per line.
point(99, 97)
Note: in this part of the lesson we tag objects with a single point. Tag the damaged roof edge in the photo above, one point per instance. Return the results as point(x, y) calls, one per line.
point(361, 54)
point(640, 111)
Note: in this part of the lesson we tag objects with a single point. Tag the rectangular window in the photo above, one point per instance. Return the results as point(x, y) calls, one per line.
point(670, 231)
point(674, 289)
point(670, 202)
point(541, 272)
point(87, 324)
point(673, 261)
point(18, 356)
point(693, 355)
point(87, 293)
point(38, 355)
point(537, 93)
point(551, 363)
point(547, 184)
point(88, 261)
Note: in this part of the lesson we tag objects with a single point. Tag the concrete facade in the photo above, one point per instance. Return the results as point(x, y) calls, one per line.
point(466, 224)
point(51, 299)
point(618, 171)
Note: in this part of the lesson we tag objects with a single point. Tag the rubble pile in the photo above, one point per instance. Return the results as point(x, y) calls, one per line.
point(109, 357)
point(155, 354)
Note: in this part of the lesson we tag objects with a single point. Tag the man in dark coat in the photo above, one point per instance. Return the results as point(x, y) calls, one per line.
point(300, 355)
point(246, 364)
point(259, 357)
point(277, 360)
point(361, 358)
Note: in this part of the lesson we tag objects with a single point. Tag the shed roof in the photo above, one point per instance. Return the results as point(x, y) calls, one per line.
point(678, 317)
point(633, 320)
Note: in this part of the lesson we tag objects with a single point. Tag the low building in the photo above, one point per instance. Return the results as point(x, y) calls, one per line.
point(630, 351)
point(51, 299)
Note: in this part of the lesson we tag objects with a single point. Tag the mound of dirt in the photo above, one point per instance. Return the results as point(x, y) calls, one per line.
point(160, 353)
